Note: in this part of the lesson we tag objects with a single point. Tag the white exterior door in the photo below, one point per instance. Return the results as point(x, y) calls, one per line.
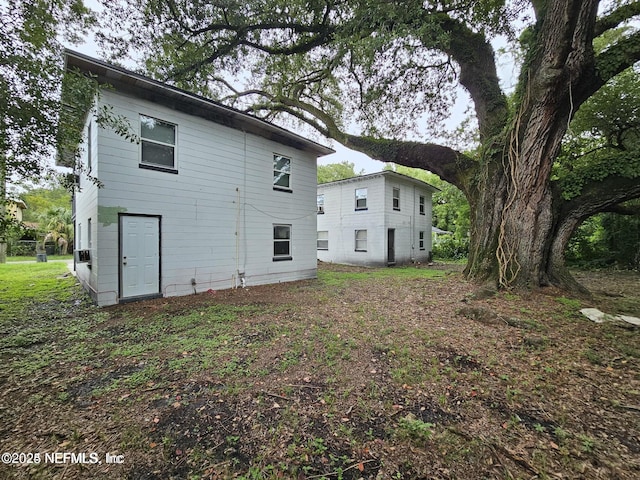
point(139, 256)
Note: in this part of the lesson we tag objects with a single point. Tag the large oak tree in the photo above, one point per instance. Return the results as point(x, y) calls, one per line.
point(378, 65)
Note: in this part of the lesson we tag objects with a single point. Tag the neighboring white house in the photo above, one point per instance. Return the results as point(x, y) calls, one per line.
point(377, 219)
point(209, 198)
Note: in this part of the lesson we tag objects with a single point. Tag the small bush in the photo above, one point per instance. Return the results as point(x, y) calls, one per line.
point(22, 249)
point(451, 248)
point(414, 429)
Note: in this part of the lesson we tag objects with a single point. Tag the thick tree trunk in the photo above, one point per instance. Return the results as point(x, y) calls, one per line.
point(512, 232)
point(517, 239)
point(557, 271)
point(520, 226)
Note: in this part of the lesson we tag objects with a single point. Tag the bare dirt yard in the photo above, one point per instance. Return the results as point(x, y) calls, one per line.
point(403, 373)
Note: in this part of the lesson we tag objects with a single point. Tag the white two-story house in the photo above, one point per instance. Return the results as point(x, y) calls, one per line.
point(208, 197)
point(374, 220)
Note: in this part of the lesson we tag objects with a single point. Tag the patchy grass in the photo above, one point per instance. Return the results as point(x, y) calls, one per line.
point(32, 258)
point(361, 374)
point(23, 284)
point(338, 276)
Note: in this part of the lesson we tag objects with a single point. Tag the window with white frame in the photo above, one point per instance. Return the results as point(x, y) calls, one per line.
point(396, 199)
point(421, 240)
point(361, 198)
point(281, 172)
point(158, 142)
point(422, 205)
point(89, 241)
point(320, 200)
point(323, 240)
point(281, 242)
point(361, 240)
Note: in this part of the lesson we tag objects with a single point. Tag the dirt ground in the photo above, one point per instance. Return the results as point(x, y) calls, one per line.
point(358, 375)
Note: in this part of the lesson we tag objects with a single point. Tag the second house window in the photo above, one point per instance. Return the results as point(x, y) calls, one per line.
point(281, 172)
point(158, 140)
point(396, 199)
point(361, 199)
point(323, 240)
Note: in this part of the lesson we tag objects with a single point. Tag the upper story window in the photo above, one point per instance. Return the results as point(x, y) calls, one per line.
point(361, 198)
point(281, 172)
point(158, 139)
point(320, 200)
point(396, 199)
point(422, 205)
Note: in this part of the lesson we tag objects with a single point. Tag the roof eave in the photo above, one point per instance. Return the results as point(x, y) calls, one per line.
point(175, 98)
point(368, 176)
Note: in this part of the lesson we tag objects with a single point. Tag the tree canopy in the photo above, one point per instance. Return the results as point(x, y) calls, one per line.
point(365, 72)
point(30, 78)
point(337, 171)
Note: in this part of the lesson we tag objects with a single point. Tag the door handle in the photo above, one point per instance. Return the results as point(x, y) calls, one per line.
point(124, 260)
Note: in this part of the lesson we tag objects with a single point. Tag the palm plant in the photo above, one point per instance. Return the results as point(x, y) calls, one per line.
point(58, 223)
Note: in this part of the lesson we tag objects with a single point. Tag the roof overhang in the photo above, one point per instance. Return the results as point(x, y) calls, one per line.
point(154, 91)
point(384, 173)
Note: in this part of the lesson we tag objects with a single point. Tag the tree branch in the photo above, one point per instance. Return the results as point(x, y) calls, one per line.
point(600, 196)
point(616, 17)
point(630, 210)
point(617, 58)
point(447, 163)
point(611, 62)
point(476, 59)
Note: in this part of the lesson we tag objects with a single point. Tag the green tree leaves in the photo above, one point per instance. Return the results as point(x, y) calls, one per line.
point(336, 171)
point(604, 138)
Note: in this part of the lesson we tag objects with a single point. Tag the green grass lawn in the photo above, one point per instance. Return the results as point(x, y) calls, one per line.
point(23, 283)
point(32, 258)
point(335, 277)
